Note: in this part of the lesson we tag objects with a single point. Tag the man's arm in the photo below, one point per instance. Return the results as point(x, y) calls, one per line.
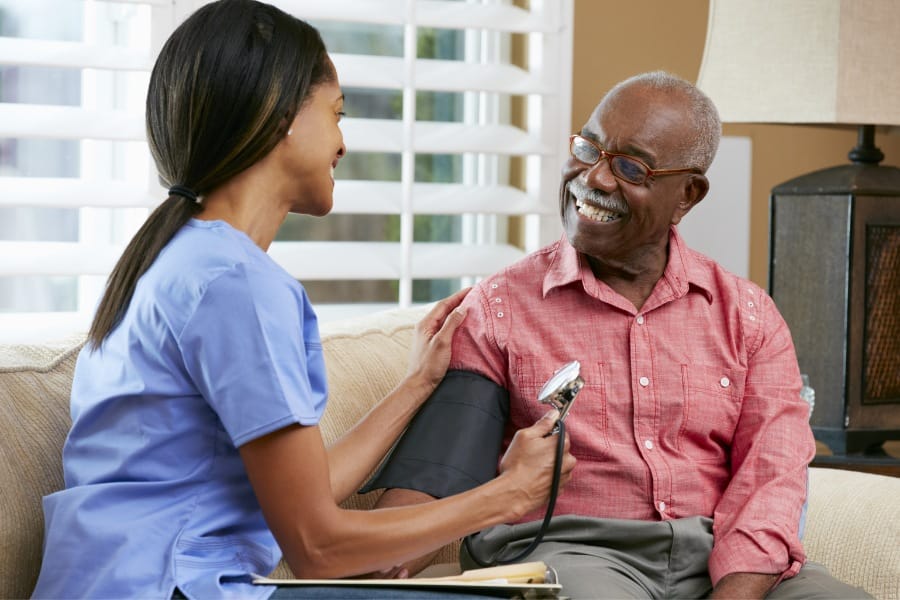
point(743, 585)
point(469, 425)
point(757, 518)
point(452, 445)
point(401, 497)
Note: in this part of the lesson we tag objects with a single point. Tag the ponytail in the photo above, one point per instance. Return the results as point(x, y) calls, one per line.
point(223, 89)
point(142, 250)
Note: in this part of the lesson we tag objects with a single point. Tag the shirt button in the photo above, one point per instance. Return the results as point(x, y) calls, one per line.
point(494, 286)
point(498, 300)
point(662, 507)
point(648, 444)
point(644, 381)
point(724, 382)
point(500, 314)
point(640, 320)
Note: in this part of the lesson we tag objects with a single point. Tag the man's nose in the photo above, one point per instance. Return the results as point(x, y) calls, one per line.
point(600, 176)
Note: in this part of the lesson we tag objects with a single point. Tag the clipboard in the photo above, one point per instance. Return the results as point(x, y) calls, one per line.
point(526, 580)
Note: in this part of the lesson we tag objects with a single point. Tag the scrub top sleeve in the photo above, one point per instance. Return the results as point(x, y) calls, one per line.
point(252, 349)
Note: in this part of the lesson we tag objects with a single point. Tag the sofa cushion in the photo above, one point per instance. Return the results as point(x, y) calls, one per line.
point(853, 528)
point(35, 382)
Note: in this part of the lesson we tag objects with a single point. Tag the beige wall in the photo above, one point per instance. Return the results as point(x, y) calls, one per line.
point(615, 39)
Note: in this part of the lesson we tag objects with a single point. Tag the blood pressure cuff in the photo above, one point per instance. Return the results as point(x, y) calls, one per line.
point(453, 443)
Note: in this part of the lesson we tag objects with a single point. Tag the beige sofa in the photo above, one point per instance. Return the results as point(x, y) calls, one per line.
point(853, 525)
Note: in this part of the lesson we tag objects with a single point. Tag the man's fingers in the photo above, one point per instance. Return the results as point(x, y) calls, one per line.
point(392, 573)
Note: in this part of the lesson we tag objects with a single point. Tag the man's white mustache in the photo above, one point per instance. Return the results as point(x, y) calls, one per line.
point(582, 192)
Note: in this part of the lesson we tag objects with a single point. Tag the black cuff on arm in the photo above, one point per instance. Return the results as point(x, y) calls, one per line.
point(453, 443)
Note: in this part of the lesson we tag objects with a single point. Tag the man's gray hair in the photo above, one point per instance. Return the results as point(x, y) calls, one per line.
point(700, 151)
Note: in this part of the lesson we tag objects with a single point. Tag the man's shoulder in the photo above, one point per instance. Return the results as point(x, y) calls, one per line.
point(708, 273)
point(528, 270)
point(514, 289)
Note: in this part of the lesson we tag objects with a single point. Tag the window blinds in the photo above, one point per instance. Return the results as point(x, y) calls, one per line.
point(485, 76)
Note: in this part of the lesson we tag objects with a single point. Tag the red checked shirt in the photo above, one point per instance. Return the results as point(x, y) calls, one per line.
point(691, 405)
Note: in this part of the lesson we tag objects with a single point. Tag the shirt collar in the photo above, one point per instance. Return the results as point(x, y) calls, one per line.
point(683, 270)
point(565, 266)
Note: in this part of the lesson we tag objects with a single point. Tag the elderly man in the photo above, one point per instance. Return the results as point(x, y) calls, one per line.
point(691, 436)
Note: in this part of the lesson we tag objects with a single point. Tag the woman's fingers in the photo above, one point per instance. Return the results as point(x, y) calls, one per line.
point(437, 316)
point(430, 350)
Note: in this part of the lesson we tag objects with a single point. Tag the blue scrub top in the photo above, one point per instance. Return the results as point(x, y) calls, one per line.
point(218, 347)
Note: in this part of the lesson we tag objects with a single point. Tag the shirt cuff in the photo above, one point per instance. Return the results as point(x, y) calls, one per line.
point(792, 570)
point(737, 552)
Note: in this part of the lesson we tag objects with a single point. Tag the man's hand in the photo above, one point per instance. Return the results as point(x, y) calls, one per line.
point(398, 572)
point(744, 585)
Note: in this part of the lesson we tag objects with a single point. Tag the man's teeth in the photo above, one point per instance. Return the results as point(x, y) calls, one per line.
point(597, 214)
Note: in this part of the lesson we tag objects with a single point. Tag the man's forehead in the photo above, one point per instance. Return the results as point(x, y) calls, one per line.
point(639, 97)
point(641, 120)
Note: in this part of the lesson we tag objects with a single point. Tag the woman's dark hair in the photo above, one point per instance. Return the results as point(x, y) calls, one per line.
point(223, 91)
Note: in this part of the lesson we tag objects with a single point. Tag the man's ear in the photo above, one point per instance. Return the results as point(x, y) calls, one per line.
point(692, 192)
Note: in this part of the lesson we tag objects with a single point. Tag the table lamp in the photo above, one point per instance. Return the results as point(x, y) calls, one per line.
point(834, 239)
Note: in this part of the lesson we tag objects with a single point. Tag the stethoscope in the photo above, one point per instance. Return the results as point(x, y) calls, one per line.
point(559, 391)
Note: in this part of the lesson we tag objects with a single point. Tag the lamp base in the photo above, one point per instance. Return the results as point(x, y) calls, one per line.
point(835, 276)
point(865, 151)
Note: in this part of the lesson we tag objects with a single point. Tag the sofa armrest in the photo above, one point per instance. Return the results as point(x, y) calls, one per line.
point(853, 528)
point(35, 382)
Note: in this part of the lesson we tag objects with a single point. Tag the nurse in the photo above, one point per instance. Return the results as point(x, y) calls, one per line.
point(195, 458)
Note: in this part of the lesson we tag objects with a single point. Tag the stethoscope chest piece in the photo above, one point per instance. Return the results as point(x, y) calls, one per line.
point(561, 389)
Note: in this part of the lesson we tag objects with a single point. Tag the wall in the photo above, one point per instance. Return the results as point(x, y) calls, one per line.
point(614, 40)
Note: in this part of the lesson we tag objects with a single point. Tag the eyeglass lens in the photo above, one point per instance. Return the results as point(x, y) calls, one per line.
point(622, 166)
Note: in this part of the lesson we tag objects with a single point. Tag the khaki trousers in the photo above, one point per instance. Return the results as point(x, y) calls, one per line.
point(615, 558)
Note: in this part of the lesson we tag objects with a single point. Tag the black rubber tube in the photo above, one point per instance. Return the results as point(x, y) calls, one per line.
point(554, 490)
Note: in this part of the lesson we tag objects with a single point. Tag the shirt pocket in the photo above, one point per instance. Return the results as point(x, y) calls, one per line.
point(711, 409)
point(586, 422)
point(229, 554)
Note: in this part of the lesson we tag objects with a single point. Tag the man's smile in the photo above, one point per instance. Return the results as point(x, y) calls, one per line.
point(594, 205)
point(595, 213)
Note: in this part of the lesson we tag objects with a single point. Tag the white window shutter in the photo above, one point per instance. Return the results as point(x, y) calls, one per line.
point(111, 200)
point(106, 52)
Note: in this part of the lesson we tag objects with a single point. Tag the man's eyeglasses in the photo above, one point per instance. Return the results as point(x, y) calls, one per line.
point(625, 167)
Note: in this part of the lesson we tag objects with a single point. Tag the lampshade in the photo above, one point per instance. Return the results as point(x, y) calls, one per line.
point(834, 240)
point(804, 61)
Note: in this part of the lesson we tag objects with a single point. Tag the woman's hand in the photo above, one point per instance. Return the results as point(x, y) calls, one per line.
point(430, 350)
point(531, 459)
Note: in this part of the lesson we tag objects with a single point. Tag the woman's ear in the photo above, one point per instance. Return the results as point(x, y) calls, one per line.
point(692, 192)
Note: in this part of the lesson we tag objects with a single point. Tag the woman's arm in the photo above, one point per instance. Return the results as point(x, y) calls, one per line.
point(289, 471)
point(353, 457)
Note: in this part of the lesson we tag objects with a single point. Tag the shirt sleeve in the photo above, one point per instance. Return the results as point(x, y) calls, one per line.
point(253, 350)
point(757, 520)
point(475, 342)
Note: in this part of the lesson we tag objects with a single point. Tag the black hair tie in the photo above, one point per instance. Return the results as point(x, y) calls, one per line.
point(184, 192)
